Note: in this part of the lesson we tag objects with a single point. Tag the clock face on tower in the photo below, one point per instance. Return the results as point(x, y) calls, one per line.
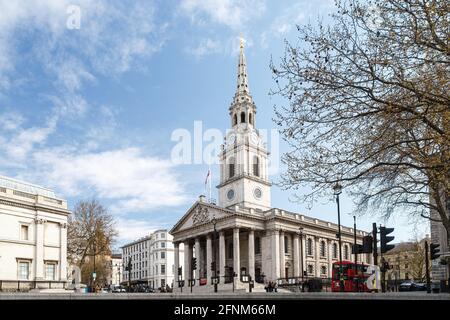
point(230, 194)
point(231, 138)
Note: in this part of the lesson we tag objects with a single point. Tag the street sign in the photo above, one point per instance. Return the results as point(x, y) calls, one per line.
point(94, 275)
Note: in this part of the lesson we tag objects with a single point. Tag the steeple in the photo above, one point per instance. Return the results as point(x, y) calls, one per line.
point(242, 81)
point(242, 109)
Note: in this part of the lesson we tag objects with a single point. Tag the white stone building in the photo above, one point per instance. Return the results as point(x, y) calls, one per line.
point(251, 237)
point(116, 269)
point(152, 260)
point(33, 236)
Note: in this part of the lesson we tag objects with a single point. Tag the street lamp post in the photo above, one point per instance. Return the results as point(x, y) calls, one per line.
point(214, 221)
point(300, 232)
point(337, 190)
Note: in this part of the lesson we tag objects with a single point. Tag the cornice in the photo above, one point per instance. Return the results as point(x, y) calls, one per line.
point(34, 207)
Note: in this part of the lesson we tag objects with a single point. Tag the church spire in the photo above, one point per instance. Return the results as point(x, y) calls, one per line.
point(242, 109)
point(242, 81)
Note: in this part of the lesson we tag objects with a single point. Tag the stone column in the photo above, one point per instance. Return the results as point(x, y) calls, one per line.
point(199, 262)
point(317, 256)
point(209, 258)
point(63, 252)
point(187, 264)
point(330, 257)
point(222, 255)
point(295, 255)
point(282, 256)
point(236, 253)
point(251, 254)
point(39, 249)
point(275, 255)
point(176, 249)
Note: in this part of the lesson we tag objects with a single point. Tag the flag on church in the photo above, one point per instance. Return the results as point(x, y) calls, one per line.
point(207, 177)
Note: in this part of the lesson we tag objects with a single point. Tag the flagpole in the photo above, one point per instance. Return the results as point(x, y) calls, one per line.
point(210, 178)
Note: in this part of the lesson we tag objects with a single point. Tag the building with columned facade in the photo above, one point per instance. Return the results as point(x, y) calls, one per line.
point(243, 234)
point(33, 236)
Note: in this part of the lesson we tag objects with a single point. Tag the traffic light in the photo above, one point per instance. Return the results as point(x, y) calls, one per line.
point(385, 239)
point(213, 265)
point(367, 246)
point(194, 263)
point(180, 271)
point(434, 251)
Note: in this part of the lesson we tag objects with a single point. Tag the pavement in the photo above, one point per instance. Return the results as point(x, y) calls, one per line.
point(226, 296)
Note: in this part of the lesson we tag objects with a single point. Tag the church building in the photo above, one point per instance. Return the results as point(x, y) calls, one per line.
point(243, 237)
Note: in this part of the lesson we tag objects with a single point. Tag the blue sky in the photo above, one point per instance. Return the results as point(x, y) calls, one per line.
point(90, 111)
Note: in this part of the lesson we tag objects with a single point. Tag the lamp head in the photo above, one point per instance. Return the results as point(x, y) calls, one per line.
point(337, 189)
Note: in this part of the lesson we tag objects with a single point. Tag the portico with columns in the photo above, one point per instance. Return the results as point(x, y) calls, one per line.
point(242, 233)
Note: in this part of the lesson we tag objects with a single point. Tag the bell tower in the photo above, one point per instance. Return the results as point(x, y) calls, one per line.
point(244, 177)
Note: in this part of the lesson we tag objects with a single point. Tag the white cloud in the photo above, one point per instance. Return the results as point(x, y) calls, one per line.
point(234, 14)
point(134, 181)
point(296, 14)
point(206, 46)
point(131, 229)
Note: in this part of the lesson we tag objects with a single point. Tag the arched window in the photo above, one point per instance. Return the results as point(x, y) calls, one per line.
point(256, 166)
point(309, 248)
point(335, 251)
point(286, 244)
point(235, 119)
point(322, 248)
point(250, 118)
point(231, 167)
point(242, 117)
point(346, 252)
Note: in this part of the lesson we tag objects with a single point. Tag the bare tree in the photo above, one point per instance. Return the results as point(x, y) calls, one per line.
point(368, 106)
point(91, 233)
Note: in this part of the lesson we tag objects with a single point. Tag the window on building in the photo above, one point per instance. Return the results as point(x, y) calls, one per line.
point(309, 247)
point(250, 118)
point(257, 245)
point(163, 235)
point(163, 269)
point(50, 271)
point(323, 270)
point(24, 270)
point(310, 269)
point(24, 232)
point(286, 239)
point(256, 166)
point(163, 244)
point(231, 168)
point(163, 255)
point(322, 249)
point(235, 120)
point(335, 251)
point(242, 117)
point(163, 283)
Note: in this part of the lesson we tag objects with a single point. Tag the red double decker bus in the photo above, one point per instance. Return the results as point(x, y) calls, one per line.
point(354, 277)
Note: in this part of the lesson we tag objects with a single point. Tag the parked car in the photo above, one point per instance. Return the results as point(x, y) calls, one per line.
point(410, 285)
point(118, 289)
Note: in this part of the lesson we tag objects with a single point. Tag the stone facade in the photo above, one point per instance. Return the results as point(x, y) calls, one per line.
point(152, 260)
point(243, 234)
point(33, 234)
point(439, 236)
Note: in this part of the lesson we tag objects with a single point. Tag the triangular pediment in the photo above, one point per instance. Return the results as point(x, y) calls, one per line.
point(200, 213)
